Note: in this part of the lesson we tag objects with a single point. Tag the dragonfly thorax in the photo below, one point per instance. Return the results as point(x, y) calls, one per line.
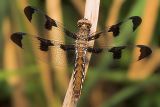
point(84, 26)
point(81, 43)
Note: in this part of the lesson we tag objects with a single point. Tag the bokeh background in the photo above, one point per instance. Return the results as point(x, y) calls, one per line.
point(26, 80)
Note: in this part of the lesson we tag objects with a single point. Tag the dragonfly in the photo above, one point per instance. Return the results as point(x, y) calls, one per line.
point(81, 45)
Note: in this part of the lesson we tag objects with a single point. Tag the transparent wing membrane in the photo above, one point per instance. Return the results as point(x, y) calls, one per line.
point(41, 48)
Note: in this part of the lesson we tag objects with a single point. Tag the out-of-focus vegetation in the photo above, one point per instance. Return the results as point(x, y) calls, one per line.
point(27, 81)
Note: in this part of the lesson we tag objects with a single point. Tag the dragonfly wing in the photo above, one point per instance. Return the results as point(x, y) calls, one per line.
point(119, 51)
point(115, 29)
point(46, 21)
point(40, 45)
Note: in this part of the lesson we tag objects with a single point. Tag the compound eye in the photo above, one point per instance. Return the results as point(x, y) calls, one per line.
point(88, 26)
point(79, 25)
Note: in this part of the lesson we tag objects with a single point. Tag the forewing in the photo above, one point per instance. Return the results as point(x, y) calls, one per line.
point(121, 31)
point(44, 21)
point(135, 22)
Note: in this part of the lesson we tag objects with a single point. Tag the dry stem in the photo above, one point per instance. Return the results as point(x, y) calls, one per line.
point(91, 13)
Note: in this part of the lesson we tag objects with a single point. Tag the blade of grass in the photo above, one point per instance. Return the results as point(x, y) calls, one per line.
point(54, 10)
point(129, 91)
point(11, 63)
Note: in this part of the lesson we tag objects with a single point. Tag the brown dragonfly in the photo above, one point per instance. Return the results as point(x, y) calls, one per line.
point(81, 46)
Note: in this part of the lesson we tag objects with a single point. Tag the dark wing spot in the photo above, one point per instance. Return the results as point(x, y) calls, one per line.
point(95, 36)
point(136, 20)
point(44, 44)
point(67, 47)
point(94, 50)
point(28, 12)
point(17, 38)
point(144, 51)
point(117, 51)
point(115, 29)
point(49, 23)
point(70, 34)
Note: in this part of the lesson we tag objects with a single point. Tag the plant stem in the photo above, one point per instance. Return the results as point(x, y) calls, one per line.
point(91, 13)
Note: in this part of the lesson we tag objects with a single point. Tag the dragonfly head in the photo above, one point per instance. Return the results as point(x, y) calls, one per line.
point(84, 24)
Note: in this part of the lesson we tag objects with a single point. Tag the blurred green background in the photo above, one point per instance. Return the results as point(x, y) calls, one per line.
point(28, 81)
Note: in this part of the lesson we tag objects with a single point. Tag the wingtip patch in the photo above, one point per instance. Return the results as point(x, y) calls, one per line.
point(145, 51)
point(28, 12)
point(17, 38)
point(136, 20)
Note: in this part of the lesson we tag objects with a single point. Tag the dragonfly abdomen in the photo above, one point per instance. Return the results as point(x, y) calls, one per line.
point(79, 71)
